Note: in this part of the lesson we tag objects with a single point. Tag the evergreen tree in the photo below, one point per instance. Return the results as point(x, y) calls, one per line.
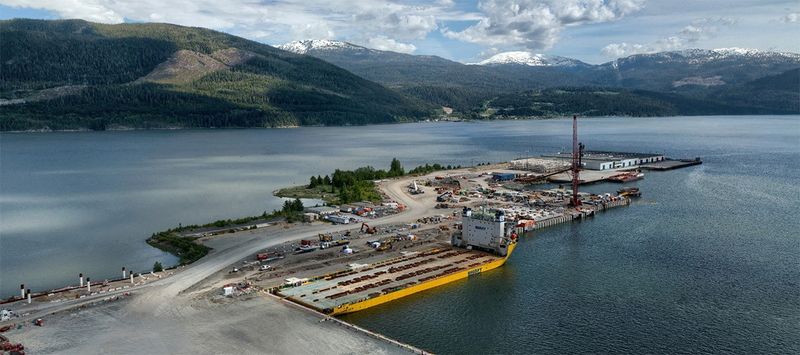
point(396, 169)
point(297, 205)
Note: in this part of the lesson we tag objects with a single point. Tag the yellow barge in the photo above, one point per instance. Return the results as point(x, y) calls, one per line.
point(483, 244)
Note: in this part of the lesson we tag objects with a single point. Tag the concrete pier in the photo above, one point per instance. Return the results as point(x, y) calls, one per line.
point(569, 217)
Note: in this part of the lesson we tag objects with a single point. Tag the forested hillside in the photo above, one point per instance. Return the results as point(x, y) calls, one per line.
point(76, 74)
point(715, 81)
point(607, 102)
point(774, 92)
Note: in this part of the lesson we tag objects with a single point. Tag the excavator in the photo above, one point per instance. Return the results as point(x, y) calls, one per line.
point(366, 228)
point(384, 246)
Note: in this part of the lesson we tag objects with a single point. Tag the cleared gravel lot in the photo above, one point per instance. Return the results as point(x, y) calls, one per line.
point(257, 325)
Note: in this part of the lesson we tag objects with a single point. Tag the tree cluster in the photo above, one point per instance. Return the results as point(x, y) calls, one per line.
point(357, 185)
point(316, 181)
point(293, 206)
point(428, 168)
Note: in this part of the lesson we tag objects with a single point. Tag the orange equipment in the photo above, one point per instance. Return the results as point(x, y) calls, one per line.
point(366, 228)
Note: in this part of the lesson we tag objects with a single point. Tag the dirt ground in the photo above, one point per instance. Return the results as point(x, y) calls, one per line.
point(257, 325)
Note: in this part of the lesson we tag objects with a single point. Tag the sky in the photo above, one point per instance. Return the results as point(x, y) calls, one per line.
point(594, 31)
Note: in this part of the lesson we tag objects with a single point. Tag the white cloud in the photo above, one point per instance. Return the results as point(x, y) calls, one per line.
point(792, 17)
point(698, 30)
point(486, 53)
point(319, 30)
point(400, 22)
point(616, 50)
point(387, 44)
point(537, 24)
point(91, 10)
point(382, 21)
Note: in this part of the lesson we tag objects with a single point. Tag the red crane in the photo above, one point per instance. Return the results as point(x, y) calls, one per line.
point(577, 153)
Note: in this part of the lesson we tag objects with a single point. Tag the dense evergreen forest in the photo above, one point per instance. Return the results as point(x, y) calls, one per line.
point(218, 80)
point(608, 102)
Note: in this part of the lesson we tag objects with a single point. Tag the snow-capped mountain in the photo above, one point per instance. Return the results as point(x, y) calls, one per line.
point(308, 45)
point(687, 69)
point(735, 51)
point(530, 59)
point(693, 68)
point(703, 56)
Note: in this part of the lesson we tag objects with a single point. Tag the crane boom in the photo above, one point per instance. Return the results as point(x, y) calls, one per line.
point(577, 152)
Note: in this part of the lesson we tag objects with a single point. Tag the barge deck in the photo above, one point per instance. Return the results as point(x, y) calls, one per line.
point(356, 289)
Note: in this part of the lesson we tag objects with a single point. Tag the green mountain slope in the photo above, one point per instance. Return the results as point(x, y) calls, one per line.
point(76, 74)
point(709, 78)
point(607, 102)
point(437, 80)
point(774, 92)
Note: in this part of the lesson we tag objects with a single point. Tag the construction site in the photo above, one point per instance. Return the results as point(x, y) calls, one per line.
point(404, 259)
point(430, 230)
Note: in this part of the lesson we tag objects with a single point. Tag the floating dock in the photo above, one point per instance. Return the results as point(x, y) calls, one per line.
point(483, 243)
point(356, 289)
point(670, 164)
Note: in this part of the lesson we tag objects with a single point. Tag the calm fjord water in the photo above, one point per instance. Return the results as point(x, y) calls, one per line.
point(707, 261)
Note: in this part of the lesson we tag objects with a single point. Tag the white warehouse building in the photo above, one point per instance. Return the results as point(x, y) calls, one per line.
point(599, 160)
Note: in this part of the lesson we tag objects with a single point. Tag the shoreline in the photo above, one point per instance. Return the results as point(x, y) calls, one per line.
point(127, 129)
point(200, 282)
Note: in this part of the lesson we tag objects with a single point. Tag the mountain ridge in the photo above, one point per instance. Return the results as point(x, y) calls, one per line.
point(304, 46)
point(539, 59)
point(161, 75)
point(73, 74)
point(530, 59)
point(692, 72)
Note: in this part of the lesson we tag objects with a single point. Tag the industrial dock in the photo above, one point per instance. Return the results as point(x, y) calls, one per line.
point(370, 285)
point(479, 235)
point(483, 242)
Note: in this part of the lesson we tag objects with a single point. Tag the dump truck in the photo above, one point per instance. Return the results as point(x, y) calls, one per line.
point(268, 256)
